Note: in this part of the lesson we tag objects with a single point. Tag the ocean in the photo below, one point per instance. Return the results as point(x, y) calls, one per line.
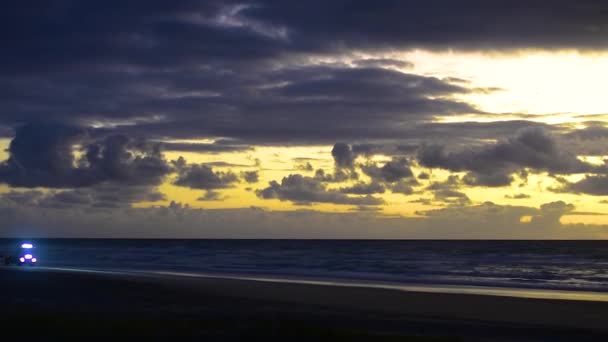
point(559, 265)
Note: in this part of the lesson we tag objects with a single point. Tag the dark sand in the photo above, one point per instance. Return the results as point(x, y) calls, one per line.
point(53, 303)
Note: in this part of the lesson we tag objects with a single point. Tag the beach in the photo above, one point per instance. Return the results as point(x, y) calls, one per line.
point(62, 303)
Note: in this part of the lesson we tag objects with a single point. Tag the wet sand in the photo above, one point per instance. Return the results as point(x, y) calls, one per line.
point(58, 303)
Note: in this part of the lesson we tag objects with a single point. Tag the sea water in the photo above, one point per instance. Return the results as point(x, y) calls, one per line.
point(558, 265)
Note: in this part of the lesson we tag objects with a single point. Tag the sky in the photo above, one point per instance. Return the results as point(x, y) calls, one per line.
point(311, 119)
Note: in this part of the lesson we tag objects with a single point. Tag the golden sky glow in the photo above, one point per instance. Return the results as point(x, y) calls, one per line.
point(556, 87)
point(531, 82)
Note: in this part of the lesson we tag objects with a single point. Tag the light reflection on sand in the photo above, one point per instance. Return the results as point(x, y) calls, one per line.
point(427, 288)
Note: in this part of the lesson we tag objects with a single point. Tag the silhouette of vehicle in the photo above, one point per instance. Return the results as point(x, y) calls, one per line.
point(24, 255)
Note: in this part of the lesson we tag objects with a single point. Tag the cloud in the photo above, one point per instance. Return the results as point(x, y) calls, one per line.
point(393, 25)
point(260, 76)
point(545, 222)
point(391, 171)
point(550, 213)
point(106, 196)
point(591, 140)
point(494, 165)
point(154, 34)
point(339, 175)
point(301, 189)
point(424, 175)
point(362, 188)
point(447, 191)
point(176, 220)
point(272, 73)
point(518, 196)
point(304, 167)
point(495, 178)
point(595, 185)
point(343, 155)
point(101, 196)
point(452, 197)
point(43, 155)
point(211, 195)
point(308, 103)
point(402, 187)
point(383, 63)
point(250, 176)
point(201, 176)
point(205, 148)
point(29, 197)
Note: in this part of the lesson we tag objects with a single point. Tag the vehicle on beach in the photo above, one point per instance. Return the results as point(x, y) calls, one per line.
point(24, 255)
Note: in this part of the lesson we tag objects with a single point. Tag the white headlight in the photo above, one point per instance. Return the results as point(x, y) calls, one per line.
point(22, 259)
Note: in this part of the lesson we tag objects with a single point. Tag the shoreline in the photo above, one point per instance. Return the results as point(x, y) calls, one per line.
point(105, 301)
point(482, 290)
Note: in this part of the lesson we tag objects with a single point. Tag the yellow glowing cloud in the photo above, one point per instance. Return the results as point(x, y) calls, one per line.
point(3, 148)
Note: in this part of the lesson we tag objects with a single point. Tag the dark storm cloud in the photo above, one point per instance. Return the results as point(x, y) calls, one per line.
point(346, 154)
point(211, 195)
point(490, 178)
point(106, 195)
point(310, 103)
point(6, 132)
point(596, 185)
point(471, 133)
point(494, 165)
point(392, 171)
point(591, 140)
point(466, 24)
point(201, 176)
point(63, 34)
point(403, 187)
point(451, 182)
point(43, 155)
point(23, 197)
point(121, 159)
point(362, 188)
point(452, 197)
point(250, 176)
point(447, 191)
point(371, 84)
point(343, 155)
point(424, 175)
point(300, 189)
point(339, 175)
point(192, 69)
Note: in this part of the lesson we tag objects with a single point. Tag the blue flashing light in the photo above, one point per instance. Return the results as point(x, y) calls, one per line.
point(27, 245)
point(28, 256)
